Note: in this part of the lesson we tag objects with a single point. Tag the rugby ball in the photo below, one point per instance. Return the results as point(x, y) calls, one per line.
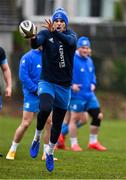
point(27, 29)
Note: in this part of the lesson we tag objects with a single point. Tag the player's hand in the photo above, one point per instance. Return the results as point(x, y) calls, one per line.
point(49, 25)
point(32, 35)
point(8, 92)
point(76, 87)
point(93, 87)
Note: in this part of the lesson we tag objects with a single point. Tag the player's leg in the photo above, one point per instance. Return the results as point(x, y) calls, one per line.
point(77, 114)
point(62, 98)
point(97, 116)
point(46, 136)
point(46, 104)
point(46, 99)
point(73, 130)
point(64, 132)
point(82, 121)
point(65, 125)
point(31, 106)
point(26, 121)
point(57, 119)
point(79, 123)
point(65, 129)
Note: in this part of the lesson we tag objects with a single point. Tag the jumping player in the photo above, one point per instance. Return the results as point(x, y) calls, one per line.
point(59, 45)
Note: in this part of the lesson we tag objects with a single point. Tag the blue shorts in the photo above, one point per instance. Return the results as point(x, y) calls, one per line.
point(31, 103)
point(60, 94)
point(78, 105)
point(0, 103)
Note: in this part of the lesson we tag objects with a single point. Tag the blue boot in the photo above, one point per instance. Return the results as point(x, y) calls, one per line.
point(34, 149)
point(49, 162)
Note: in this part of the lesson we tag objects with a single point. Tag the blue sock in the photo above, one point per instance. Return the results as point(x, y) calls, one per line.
point(64, 129)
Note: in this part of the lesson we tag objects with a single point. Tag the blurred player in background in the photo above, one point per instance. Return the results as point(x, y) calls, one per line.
point(59, 45)
point(7, 76)
point(29, 74)
point(83, 96)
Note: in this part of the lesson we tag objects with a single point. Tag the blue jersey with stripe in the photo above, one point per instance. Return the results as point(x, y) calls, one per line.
point(29, 70)
point(83, 74)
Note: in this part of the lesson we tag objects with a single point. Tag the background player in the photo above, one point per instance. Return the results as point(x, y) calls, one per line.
point(83, 96)
point(7, 77)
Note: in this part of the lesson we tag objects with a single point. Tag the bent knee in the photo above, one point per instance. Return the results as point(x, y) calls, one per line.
point(100, 116)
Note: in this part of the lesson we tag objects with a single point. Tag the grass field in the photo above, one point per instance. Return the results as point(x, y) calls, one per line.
point(71, 165)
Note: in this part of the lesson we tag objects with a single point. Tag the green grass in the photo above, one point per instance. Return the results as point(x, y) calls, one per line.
point(71, 165)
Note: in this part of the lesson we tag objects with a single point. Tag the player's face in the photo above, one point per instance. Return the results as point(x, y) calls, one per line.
point(84, 51)
point(59, 25)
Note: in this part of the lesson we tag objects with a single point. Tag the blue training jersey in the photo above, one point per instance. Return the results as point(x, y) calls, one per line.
point(58, 52)
point(84, 74)
point(30, 69)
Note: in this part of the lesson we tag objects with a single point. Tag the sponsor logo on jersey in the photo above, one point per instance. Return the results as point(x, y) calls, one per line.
point(27, 105)
point(23, 61)
point(62, 60)
point(82, 70)
point(51, 40)
point(90, 69)
point(74, 106)
point(38, 66)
